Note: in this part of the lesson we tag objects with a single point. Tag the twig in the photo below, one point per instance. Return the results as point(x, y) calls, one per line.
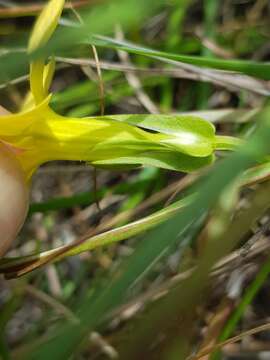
point(53, 303)
point(100, 81)
point(33, 9)
point(102, 111)
point(231, 81)
point(105, 347)
point(133, 80)
point(53, 281)
point(234, 339)
point(101, 96)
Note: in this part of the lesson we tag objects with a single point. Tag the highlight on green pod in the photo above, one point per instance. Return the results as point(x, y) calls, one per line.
point(37, 134)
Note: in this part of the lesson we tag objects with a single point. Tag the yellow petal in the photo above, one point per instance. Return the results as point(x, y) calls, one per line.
point(40, 81)
point(28, 102)
point(36, 81)
point(45, 24)
point(48, 73)
point(16, 126)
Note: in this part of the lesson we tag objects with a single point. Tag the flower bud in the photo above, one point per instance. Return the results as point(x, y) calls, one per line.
point(14, 198)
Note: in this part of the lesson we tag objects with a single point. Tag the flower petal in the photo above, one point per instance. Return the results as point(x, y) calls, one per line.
point(36, 80)
point(15, 125)
point(45, 24)
point(40, 80)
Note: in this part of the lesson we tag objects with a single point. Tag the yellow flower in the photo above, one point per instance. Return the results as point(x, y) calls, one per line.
point(39, 135)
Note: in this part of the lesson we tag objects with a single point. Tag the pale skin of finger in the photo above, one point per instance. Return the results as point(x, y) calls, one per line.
point(14, 198)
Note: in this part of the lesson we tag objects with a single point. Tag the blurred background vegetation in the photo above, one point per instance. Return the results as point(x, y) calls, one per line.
point(200, 277)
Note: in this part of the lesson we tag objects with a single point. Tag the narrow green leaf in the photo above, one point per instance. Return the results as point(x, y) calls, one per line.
point(252, 68)
point(12, 265)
